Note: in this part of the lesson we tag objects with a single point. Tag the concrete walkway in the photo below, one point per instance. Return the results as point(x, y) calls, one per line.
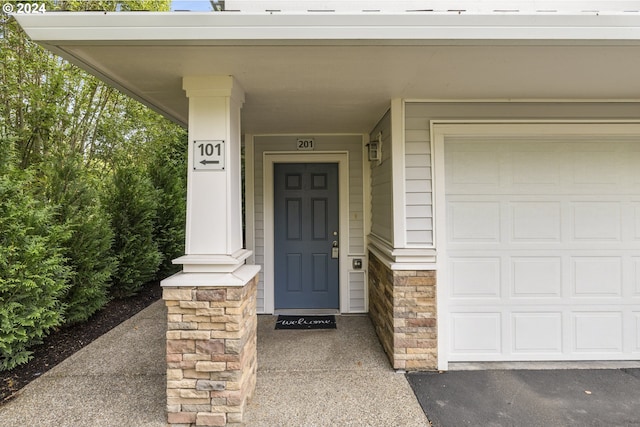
point(335, 377)
point(305, 378)
point(117, 380)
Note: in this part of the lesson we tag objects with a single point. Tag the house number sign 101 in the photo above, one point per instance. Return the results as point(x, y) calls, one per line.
point(208, 155)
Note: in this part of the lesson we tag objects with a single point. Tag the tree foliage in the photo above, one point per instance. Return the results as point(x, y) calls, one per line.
point(67, 183)
point(33, 273)
point(113, 5)
point(92, 189)
point(168, 176)
point(131, 200)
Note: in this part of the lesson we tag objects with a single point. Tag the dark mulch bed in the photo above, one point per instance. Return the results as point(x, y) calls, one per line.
point(65, 341)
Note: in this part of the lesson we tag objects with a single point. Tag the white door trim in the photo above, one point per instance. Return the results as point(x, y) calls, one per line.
point(442, 129)
point(269, 159)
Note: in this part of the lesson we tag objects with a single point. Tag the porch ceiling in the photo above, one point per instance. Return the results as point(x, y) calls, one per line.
point(336, 74)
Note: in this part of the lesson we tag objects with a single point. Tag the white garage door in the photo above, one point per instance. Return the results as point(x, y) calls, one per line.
point(542, 245)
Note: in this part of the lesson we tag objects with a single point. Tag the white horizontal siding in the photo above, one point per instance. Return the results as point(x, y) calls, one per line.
point(381, 184)
point(418, 173)
point(418, 211)
point(418, 185)
point(417, 160)
point(357, 292)
point(258, 206)
point(356, 197)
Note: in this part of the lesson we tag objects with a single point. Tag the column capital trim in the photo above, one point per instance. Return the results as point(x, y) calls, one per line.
point(402, 258)
point(212, 86)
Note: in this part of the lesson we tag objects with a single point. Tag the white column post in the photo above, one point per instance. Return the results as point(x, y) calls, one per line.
point(214, 210)
point(211, 330)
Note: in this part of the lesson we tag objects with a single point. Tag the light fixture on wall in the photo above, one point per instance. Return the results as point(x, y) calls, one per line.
point(375, 149)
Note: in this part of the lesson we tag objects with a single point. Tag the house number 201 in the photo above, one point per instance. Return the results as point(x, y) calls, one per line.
point(305, 143)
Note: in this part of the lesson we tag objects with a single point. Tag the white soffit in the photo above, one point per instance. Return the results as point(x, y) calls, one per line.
point(328, 72)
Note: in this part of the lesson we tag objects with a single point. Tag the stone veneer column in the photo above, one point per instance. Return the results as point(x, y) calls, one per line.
point(402, 306)
point(211, 353)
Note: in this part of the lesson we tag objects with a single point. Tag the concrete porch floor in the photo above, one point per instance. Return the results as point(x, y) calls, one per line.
point(334, 377)
point(305, 379)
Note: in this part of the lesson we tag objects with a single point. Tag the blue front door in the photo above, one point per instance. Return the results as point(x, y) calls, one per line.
point(306, 236)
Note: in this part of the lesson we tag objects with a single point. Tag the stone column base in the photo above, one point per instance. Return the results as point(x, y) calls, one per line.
point(402, 306)
point(211, 353)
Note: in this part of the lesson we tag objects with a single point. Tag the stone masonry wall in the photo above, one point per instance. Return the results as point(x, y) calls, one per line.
point(211, 354)
point(381, 303)
point(402, 306)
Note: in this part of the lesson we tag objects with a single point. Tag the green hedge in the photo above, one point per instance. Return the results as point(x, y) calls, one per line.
point(92, 197)
point(74, 187)
point(168, 175)
point(33, 273)
point(70, 241)
point(131, 201)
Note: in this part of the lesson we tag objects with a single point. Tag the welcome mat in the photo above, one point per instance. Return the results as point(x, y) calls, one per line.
point(305, 322)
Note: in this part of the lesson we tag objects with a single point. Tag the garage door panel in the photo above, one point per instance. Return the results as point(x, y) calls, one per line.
point(529, 334)
point(633, 159)
point(536, 277)
point(543, 247)
point(476, 333)
point(474, 221)
point(636, 221)
point(596, 221)
point(536, 221)
point(635, 282)
point(467, 171)
point(597, 332)
point(536, 167)
point(636, 332)
point(597, 276)
point(594, 166)
point(537, 332)
point(475, 277)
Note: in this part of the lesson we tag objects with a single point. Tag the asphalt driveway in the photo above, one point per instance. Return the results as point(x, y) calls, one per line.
point(568, 397)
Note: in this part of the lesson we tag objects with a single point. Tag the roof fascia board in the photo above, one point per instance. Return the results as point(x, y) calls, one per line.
point(412, 6)
point(168, 28)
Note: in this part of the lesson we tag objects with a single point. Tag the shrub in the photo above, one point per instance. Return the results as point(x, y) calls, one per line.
point(33, 273)
point(70, 185)
point(131, 202)
point(168, 175)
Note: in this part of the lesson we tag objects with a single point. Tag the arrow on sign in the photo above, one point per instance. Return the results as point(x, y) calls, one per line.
point(210, 162)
